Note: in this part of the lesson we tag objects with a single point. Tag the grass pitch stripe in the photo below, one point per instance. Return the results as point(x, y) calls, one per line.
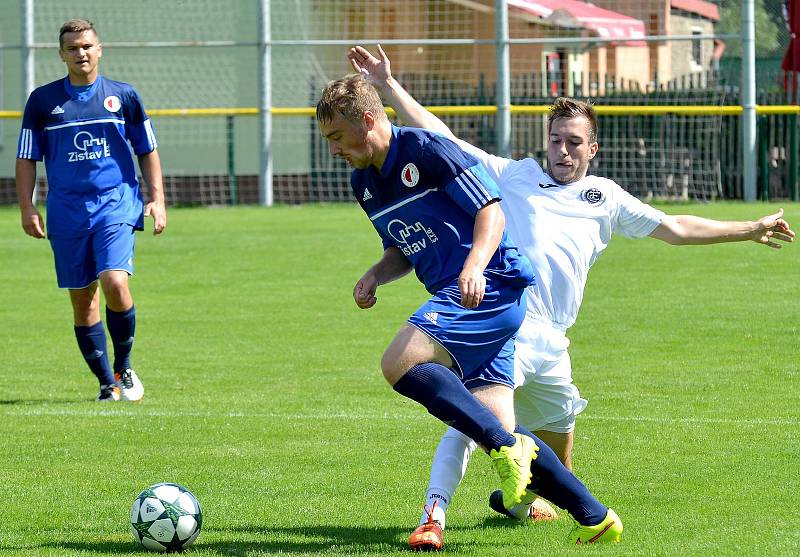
point(140, 411)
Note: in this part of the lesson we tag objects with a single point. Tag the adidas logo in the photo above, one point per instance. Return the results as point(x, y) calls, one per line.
point(57, 110)
point(431, 316)
point(367, 195)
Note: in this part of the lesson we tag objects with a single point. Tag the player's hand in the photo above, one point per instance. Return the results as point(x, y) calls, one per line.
point(377, 71)
point(158, 211)
point(773, 227)
point(472, 285)
point(32, 222)
point(364, 290)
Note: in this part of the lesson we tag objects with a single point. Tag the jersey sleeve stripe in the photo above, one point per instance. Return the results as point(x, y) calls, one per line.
point(25, 144)
point(467, 190)
point(22, 140)
point(151, 136)
point(29, 142)
point(474, 188)
point(478, 185)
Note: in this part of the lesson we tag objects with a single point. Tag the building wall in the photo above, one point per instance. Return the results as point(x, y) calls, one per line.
point(632, 63)
point(586, 68)
point(691, 56)
point(656, 17)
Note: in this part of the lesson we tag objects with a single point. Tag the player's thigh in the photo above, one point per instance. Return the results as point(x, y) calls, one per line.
point(545, 406)
point(114, 248)
point(541, 353)
point(479, 341)
point(410, 347)
point(500, 400)
point(74, 261)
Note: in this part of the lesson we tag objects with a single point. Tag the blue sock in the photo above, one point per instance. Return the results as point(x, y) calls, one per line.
point(439, 390)
point(121, 326)
point(92, 343)
point(555, 483)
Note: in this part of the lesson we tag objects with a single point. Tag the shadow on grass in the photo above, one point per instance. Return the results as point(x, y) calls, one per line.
point(327, 538)
point(308, 539)
point(39, 401)
point(247, 540)
point(317, 539)
point(113, 548)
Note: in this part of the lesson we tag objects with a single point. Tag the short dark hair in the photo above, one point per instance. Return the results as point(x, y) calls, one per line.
point(350, 96)
point(76, 25)
point(564, 107)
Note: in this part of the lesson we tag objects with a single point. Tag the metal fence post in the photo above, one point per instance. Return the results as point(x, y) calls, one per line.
point(763, 158)
point(28, 65)
point(265, 112)
point(503, 77)
point(748, 87)
point(794, 155)
point(229, 132)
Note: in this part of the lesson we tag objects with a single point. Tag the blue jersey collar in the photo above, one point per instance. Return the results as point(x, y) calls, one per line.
point(391, 156)
point(84, 95)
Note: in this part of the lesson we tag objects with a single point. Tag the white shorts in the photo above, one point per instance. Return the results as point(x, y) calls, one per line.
point(545, 397)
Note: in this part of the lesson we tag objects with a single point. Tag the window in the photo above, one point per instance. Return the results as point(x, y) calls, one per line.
point(697, 48)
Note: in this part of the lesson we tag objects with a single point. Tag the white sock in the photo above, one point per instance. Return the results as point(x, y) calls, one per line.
point(449, 466)
point(522, 509)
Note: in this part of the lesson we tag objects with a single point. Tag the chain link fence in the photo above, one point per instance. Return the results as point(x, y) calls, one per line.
point(201, 54)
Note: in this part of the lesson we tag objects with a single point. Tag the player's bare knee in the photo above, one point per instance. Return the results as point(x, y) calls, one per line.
point(85, 305)
point(393, 366)
point(115, 288)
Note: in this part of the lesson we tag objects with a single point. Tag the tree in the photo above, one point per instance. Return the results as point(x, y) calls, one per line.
point(769, 30)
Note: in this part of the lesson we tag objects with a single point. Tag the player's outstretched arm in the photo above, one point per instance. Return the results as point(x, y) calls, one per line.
point(379, 73)
point(692, 230)
point(392, 266)
point(150, 164)
point(32, 222)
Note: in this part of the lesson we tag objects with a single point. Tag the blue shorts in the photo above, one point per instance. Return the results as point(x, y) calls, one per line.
point(480, 340)
point(80, 260)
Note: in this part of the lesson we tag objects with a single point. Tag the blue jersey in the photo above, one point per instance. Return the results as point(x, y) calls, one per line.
point(83, 138)
point(424, 201)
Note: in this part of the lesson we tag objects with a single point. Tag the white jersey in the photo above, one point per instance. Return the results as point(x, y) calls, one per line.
point(562, 229)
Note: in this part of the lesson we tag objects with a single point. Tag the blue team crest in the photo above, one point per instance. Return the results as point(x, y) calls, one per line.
point(410, 175)
point(112, 103)
point(593, 196)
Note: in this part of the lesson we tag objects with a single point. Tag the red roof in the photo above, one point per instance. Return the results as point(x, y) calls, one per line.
point(699, 7)
point(572, 13)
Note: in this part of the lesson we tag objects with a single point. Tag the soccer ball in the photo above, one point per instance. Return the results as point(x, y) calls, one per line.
point(166, 517)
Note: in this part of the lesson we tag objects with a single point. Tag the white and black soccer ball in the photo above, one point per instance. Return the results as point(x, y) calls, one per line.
point(166, 517)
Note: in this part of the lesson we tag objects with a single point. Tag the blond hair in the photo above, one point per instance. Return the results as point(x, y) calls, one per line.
point(564, 107)
point(349, 96)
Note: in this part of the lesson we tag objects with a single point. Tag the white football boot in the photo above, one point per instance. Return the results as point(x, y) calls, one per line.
point(130, 386)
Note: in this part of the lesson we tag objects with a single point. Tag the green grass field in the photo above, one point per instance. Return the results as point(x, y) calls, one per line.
point(264, 397)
